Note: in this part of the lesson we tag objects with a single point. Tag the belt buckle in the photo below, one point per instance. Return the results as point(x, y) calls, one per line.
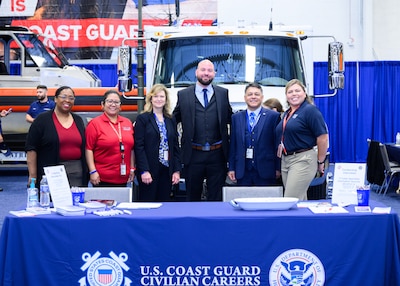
point(206, 147)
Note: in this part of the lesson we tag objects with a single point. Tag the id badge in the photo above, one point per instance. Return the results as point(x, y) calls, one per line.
point(249, 153)
point(165, 155)
point(123, 169)
point(279, 152)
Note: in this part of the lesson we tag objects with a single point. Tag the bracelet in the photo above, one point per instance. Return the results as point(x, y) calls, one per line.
point(92, 172)
point(320, 163)
point(133, 169)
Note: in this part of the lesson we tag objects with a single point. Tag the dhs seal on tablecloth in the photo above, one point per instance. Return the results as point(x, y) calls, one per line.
point(104, 271)
point(297, 267)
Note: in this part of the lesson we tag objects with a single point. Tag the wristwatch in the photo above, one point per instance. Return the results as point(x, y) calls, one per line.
point(320, 163)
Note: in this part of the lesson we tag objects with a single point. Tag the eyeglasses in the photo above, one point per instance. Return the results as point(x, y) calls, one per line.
point(111, 102)
point(64, 97)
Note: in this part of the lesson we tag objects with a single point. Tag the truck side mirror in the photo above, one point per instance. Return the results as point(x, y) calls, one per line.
point(336, 66)
point(124, 67)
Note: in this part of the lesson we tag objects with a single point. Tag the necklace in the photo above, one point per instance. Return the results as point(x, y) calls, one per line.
point(64, 119)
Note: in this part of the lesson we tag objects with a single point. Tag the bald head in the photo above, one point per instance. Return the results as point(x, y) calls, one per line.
point(205, 72)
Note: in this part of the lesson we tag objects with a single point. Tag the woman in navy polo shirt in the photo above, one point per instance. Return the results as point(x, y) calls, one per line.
point(301, 129)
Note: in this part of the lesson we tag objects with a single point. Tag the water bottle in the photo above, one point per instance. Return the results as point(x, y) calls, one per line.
point(329, 185)
point(44, 193)
point(398, 138)
point(32, 199)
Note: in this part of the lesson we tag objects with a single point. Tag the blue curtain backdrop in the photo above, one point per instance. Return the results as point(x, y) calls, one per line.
point(368, 106)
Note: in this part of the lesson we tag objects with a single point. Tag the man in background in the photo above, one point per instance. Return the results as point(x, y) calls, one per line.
point(42, 104)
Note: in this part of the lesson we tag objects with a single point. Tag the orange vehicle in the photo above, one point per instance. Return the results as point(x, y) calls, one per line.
point(25, 62)
point(87, 105)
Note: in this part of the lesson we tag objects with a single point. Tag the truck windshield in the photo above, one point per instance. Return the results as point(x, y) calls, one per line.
point(268, 60)
point(37, 54)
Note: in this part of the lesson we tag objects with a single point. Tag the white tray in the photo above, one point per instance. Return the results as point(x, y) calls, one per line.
point(266, 203)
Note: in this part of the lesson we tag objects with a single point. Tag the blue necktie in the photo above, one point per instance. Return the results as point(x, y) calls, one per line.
point(252, 119)
point(205, 98)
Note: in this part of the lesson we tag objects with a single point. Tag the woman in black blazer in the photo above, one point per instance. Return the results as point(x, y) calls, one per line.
point(156, 147)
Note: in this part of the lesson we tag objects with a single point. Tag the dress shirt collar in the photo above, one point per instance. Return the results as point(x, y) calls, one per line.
point(199, 90)
point(256, 112)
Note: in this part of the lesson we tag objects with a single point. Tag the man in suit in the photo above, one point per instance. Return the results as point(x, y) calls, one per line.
point(205, 113)
point(252, 157)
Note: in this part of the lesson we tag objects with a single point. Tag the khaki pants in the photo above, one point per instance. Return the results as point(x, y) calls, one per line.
point(298, 170)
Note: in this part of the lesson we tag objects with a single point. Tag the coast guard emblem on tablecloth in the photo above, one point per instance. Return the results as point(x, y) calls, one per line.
point(297, 267)
point(104, 271)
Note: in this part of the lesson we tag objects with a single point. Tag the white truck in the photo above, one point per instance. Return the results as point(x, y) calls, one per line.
point(270, 57)
point(240, 56)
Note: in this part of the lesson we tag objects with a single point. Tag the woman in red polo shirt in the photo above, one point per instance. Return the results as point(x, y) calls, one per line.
point(109, 145)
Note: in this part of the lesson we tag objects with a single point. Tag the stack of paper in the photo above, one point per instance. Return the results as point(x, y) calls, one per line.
point(327, 209)
point(22, 213)
point(71, 210)
point(93, 206)
point(39, 210)
point(61, 192)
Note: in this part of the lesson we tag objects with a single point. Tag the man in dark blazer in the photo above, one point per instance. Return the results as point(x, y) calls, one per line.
point(252, 158)
point(205, 113)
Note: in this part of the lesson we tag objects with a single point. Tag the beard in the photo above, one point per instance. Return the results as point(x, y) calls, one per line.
point(40, 98)
point(204, 82)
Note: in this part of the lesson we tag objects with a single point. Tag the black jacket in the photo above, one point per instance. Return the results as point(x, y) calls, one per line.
point(43, 138)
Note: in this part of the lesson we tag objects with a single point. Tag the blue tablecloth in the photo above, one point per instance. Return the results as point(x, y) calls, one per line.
point(199, 243)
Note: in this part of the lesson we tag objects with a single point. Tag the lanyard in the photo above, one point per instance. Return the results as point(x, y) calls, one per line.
point(286, 119)
point(119, 135)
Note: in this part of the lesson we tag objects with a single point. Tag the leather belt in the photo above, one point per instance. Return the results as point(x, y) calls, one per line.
point(207, 148)
point(298, 151)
